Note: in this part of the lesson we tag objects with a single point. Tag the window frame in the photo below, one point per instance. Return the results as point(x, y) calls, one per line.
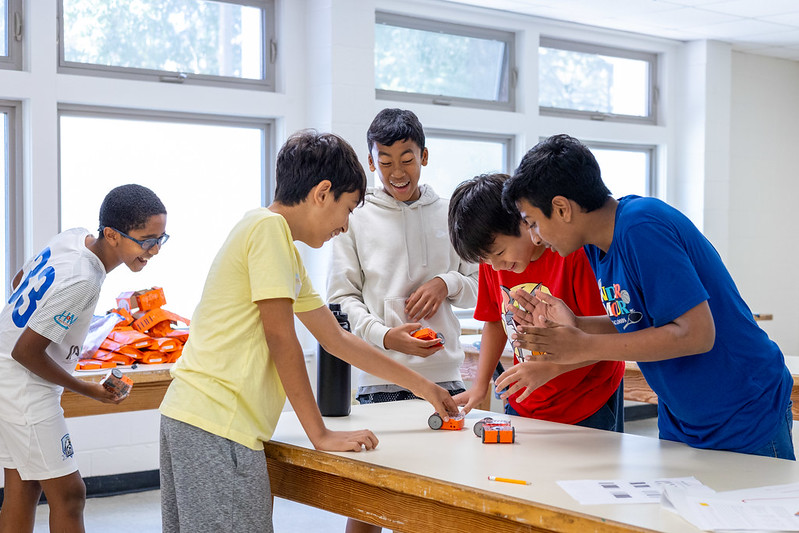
point(15, 36)
point(268, 58)
point(650, 150)
point(596, 49)
point(14, 200)
point(266, 125)
point(436, 26)
point(506, 139)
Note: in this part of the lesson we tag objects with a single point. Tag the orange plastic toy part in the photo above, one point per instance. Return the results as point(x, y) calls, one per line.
point(495, 431)
point(427, 334)
point(454, 423)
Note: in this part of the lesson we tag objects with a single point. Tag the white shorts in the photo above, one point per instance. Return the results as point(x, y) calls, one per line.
point(37, 451)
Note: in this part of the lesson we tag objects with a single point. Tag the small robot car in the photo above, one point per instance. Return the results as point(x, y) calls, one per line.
point(495, 431)
point(427, 334)
point(436, 422)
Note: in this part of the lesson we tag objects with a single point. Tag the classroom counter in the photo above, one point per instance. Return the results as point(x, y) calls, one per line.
point(420, 480)
point(149, 386)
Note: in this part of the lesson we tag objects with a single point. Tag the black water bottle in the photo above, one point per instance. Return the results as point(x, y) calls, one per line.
point(333, 390)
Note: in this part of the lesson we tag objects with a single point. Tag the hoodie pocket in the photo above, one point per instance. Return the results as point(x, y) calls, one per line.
point(394, 311)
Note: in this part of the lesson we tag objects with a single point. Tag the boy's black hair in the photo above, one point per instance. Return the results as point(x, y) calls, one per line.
point(476, 216)
point(129, 207)
point(307, 158)
point(392, 125)
point(558, 166)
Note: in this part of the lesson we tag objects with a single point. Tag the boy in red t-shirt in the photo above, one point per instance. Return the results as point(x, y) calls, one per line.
point(481, 230)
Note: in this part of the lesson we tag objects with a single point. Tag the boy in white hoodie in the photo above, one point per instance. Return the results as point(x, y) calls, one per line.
point(395, 270)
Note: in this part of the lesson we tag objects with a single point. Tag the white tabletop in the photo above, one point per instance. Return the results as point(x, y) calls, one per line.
point(544, 453)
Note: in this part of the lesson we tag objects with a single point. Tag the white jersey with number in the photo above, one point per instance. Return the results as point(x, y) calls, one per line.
point(55, 298)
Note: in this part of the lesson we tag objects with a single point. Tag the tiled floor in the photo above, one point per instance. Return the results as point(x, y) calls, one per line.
point(139, 513)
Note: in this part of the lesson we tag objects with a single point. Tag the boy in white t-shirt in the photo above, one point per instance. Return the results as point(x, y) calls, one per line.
point(42, 328)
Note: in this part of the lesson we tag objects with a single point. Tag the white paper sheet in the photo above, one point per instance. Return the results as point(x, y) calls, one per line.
point(604, 491)
point(773, 508)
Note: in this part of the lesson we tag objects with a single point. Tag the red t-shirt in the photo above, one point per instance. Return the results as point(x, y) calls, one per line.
point(575, 395)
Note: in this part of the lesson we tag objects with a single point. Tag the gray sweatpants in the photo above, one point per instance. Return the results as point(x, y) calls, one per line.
point(211, 484)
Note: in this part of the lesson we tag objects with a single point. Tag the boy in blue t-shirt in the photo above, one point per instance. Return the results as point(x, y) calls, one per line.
point(673, 306)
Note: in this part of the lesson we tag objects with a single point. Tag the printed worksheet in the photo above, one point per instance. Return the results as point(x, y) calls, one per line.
point(602, 491)
point(774, 508)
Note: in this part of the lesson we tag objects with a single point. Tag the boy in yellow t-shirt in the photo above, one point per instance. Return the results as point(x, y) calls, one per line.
point(243, 357)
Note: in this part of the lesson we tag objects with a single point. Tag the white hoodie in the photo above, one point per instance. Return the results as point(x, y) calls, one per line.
point(389, 251)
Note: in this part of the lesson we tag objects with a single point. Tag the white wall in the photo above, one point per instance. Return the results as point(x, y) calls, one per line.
point(763, 213)
point(726, 141)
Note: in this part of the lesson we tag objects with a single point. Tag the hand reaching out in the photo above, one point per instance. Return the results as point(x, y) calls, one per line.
point(470, 399)
point(526, 377)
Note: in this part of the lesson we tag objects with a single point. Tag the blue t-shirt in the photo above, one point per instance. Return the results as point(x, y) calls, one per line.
point(658, 267)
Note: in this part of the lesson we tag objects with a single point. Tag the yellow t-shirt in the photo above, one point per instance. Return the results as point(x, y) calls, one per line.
point(226, 382)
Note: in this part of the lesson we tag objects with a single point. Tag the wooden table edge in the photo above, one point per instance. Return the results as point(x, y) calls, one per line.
point(395, 499)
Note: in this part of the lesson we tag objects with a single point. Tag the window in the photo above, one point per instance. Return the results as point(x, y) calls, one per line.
point(457, 157)
point(4, 267)
point(11, 34)
point(434, 62)
point(208, 171)
point(626, 169)
point(179, 41)
point(10, 194)
point(596, 82)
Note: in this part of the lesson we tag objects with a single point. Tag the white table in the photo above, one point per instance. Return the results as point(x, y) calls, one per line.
point(423, 480)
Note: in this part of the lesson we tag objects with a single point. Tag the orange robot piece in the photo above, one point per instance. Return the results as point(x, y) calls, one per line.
point(427, 334)
point(495, 431)
point(454, 423)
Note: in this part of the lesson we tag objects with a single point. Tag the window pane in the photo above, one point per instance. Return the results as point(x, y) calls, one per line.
point(593, 82)
point(624, 172)
point(188, 36)
point(3, 213)
point(453, 160)
point(4, 28)
point(435, 63)
point(206, 175)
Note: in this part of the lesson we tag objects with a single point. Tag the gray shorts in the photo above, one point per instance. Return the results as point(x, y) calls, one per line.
point(211, 484)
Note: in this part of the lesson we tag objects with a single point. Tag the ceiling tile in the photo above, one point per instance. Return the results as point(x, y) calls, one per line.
point(768, 26)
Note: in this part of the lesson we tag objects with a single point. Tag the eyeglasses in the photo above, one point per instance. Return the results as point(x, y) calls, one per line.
point(146, 244)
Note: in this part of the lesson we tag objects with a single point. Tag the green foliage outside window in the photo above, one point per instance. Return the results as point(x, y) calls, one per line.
point(190, 36)
point(417, 61)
